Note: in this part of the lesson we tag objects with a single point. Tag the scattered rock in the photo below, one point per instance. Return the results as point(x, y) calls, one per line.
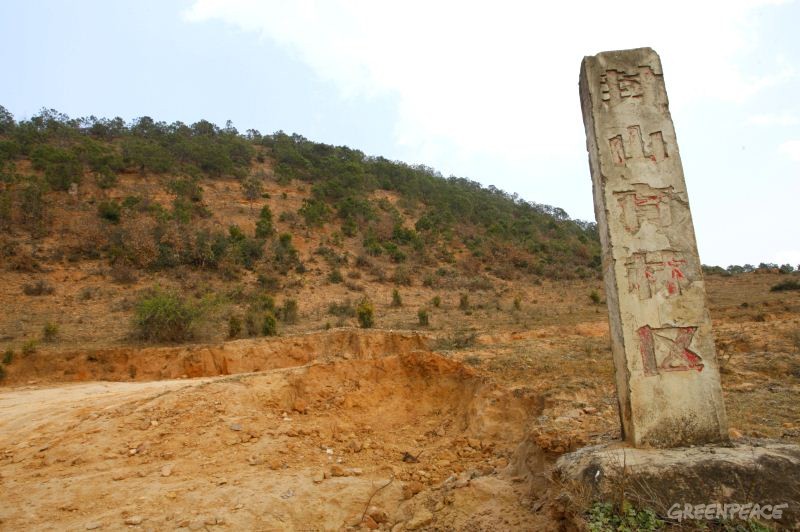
point(93, 526)
point(411, 488)
point(338, 471)
point(462, 481)
point(166, 470)
point(235, 426)
point(318, 477)
point(300, 406)
point(734, 434)
point(589, 410)
point(474, 443)
point(422, 518)
point(409, 458)
point(134, 520)
point(369, 522)
point(377, 514)
point(355, 446)
point(255, 460)
point(275, 464)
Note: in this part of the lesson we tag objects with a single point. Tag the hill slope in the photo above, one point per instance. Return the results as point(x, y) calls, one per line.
point(235, 221)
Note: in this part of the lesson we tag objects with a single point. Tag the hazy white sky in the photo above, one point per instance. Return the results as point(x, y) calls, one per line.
point(485, 90)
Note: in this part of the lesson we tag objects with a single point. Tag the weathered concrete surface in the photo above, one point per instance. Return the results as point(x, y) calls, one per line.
point(758, 472)
point(666, 369)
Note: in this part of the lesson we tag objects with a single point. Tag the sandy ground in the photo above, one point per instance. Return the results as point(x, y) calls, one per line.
point(300, 448)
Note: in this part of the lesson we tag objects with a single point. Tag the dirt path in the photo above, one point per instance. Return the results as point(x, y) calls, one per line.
point(26, 410)
point(301, 448)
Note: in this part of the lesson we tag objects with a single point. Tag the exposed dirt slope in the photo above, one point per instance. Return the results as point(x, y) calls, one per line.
point(299, 448)
point(241, 356)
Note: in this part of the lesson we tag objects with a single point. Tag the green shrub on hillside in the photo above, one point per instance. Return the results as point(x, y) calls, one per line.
point(33, 206)
point(335, 277)
point(789, 284)
point(50, 332)
point(186, 187)
point(29, 347)
point(397, 301)
point(110, 211)
point(365, 313)
point(269, 326)
point(234, 326)
point(594, 295)
point(252, 187)
point(315, 212)
point(422, 316)
point(60, 166)
point(105, 178)
point(264, 226)
point(285, 255)
point(146, 155)
point(166, 316)
point(288, 312)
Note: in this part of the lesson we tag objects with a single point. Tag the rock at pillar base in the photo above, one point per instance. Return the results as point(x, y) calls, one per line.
point(748, 472)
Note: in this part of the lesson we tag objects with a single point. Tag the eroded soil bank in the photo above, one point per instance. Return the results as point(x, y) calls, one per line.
point(302, 447)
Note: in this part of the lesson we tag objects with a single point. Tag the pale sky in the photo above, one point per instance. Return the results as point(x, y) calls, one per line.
point(484, 90)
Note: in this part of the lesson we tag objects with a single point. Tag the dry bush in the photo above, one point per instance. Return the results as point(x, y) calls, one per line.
point(123, 273)
point(39, 288)
point(402, 276)
point(137, 234)
point(84, 236)
point(18, 258)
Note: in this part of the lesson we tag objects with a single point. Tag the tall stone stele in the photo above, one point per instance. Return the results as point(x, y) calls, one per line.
point(666, 370)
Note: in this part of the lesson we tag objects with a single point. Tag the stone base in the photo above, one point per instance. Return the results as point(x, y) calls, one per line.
point(675, 482)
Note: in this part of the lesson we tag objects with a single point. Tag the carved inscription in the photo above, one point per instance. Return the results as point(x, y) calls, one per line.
point(632, 146)
point(667, 349)
point(654, 272)
point(645, 204)
point(616, 86)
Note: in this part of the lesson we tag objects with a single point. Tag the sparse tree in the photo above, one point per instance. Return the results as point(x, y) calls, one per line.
point(252, 188)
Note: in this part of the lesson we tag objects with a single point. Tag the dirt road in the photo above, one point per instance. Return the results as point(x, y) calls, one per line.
point(301, 448)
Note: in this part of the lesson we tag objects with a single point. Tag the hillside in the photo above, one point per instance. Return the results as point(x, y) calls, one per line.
point(248, 224)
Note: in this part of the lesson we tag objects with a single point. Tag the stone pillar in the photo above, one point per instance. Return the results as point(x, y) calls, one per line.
point(666, 370)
